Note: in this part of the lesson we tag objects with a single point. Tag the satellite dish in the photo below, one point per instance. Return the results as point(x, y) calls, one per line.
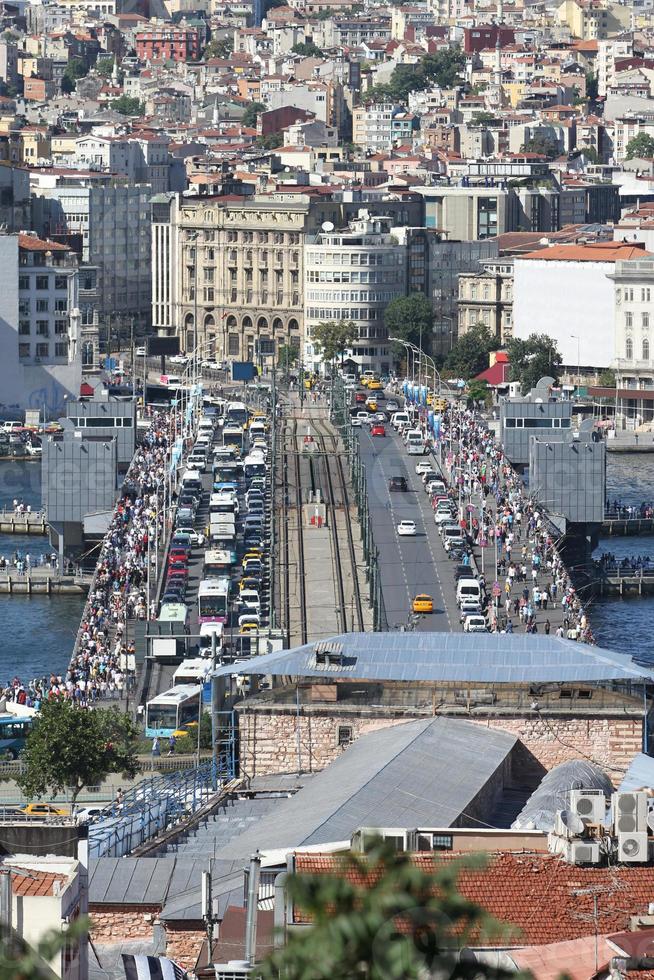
point(572, 822)
point(327, 226)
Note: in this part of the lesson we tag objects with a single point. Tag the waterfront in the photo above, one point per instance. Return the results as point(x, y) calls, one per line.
point(38, 632)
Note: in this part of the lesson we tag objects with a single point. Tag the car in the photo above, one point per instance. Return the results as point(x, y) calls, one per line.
point(359, 397)
point(362, 416)
point(462, 571)
point(422, 603)
point(469, 607)
point(427, 476)
point(443, 517)
point(475, 624)
point(250, 601)
point(454, 542)
point(87, 814)
point(392, 405)
point(371, 405)
point(249, 618)
point(139, 352)
point(44, 810)
point(398, 484)
point(355, 423)
point(211, 365)
point(434, 485)
point(423, 467)
point(406, 528)
point(377, 429)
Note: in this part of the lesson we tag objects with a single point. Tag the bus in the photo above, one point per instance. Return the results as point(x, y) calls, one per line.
point(193, 670)
point(207, 633)
point(13, 732)
point(223, 503)
point(226, 471)
point(234, 435)
point(174, 612)
point(218, 561)
point(236, 413)
point(254, 465)
point(415, 443)
point(173, 709)
point(213, 600)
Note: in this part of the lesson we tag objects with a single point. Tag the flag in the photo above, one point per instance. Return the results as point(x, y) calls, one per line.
point(151, 968)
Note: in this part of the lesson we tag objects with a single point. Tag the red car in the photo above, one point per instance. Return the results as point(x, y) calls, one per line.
point(377, 430)
point(360, 397)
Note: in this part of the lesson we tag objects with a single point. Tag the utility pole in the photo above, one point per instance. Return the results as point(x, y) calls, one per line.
point(214, 710)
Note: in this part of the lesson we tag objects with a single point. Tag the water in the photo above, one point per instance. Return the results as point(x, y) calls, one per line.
point(625, 625)
point(37, 633)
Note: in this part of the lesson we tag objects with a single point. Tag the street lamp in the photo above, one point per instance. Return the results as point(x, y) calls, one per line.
point(408, 347)
point(576, 337)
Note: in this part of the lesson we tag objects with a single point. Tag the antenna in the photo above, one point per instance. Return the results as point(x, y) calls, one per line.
point(572, 822)
point(327, 226)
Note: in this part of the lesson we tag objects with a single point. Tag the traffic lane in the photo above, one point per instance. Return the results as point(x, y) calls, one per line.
point(408, 565)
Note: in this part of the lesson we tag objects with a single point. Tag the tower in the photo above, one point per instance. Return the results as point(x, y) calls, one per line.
point(494, 94)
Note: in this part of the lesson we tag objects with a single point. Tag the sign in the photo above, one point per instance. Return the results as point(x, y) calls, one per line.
point(496, 590)
point(483, 542)
point(162, 346)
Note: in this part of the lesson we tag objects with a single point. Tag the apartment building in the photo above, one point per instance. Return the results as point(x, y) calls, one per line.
point(633, 283)
point(166, 42)
point(353, 273)
point(143, 159)
point(487, 297)
point(227, 273)
point(372, 127)
point(40, 357)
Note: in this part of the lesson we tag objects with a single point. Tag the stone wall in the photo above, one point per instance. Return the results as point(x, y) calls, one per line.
point(113, 924)
point(269, 743)
point(184, 942)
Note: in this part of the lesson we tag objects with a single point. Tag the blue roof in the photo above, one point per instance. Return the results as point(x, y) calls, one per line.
point(484, 658)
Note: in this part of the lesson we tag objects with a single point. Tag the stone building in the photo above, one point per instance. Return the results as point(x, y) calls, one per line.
point(356, 683)
point(487, 297)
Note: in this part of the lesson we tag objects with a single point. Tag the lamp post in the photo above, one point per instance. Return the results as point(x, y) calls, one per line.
point(576, 337)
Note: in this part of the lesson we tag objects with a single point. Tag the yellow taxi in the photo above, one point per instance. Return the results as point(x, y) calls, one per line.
point(249, 628)
point(255, 553)
point(44, 810)
point(423, 603)
point(375, 385)
point(371, 405)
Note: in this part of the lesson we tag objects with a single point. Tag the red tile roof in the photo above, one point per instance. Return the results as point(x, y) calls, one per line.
point(594, 252)
point(498, 374)
point(545, 899)
point(33, 244)
point(40, 883)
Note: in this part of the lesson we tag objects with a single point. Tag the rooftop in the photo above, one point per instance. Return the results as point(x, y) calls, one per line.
point(594, 252)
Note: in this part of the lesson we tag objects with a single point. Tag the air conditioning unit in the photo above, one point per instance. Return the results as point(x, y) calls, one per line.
point(633, 848)
point(583, 852)
point(589, 804)
point(629, 813)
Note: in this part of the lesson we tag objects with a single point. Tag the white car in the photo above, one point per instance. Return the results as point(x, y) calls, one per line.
point(197, 539)
point(139, 352)
point(475, 624)
point(469, 607)
point(178, 359)
point(423, 467)
point(355, 422)
point(406, 528)
point(443, 516)
point(435, 486)
point(250, 601)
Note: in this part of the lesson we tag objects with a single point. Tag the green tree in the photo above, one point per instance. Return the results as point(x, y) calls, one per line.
point(641, 146)
point(128, 106)
point(607, 378)
point(546, 146)
point(333, 337)
point(19, 961)
point(591, 154)
point(104, 67)
point(220, 47)
point(69, 749)
point(380, 916)
point(308, 49)
point(288, 355)
point(479, 392)
point(532, 359)
point(410, 318)
point(442, 69)
point(251, 114)
point(75, 69)
point(270, 142)
point(469, 355)
point(591, 86)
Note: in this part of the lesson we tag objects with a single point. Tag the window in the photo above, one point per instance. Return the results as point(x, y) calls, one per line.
point(23, 327)
point(209, 295)
point(23, 282)
point(645, 349)
point(61, 282)
point(23, 350)
point(645, 320)
point(233, 344)
point(61, 326)
point(644, 295)
point(41, 282)
point(628, 319)
point(42, 327)
point(41, 306)
point(61, 350)
point(345, 735)
point(42, 350)
point(629, 349)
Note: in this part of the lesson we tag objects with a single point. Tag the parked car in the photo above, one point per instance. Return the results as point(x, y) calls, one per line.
point(475, 624)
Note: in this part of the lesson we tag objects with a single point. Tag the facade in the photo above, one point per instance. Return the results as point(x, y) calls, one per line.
point(487, 297)
point(166, 42)
point(566, 292)
point(232, 265)
point(372, 127)
point(534, 415)
point(352, 274)
point(40, 366)
point(633, 288)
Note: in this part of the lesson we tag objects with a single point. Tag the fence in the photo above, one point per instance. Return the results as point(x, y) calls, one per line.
point(148, 808)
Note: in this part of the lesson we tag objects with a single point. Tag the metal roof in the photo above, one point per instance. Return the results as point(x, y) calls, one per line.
point(478, 657)
point(419, 773)
point(640, 773)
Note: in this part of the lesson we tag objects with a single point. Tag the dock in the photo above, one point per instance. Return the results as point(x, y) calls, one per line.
point(623, 581)
point(627, 526)
point(44, 581)
point(12, 523)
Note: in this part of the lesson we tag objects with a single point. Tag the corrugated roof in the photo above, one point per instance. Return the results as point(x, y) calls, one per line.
point(478, 657)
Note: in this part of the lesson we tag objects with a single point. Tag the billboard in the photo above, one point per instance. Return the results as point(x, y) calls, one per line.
point(162, 346)
point(243, 371)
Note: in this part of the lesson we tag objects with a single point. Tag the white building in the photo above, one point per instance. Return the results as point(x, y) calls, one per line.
point(610, 50)
point(144, 159)
point(372, 127)
point(353, 274)
point(633, 283)
point(40, 356)
point(565, 291)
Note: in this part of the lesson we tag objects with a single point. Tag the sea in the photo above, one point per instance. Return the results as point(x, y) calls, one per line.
point(37, 632)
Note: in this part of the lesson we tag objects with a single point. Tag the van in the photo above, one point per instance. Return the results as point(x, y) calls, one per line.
point(397, 418)
point(468, 588)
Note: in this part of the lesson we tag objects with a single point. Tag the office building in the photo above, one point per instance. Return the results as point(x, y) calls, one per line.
point(486, 297)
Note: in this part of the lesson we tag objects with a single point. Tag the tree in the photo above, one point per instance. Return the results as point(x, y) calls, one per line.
point(128, 106)
point(410, 318)
point(104, 67)
point(219, 48)
point(270, 142)
point(380, 916)
point(607, 378)
point(591, 154)
point(70, 748)
point(478, 391)
point(251, 114)
point(442, 69)
point(469, 356)
point(532, 359)
point(288, 355)
point(641, 146)
point(333, 337)
point(546, 146)
point(591, 86)
point(20, 961)
point(75, 69)
point(308, 49)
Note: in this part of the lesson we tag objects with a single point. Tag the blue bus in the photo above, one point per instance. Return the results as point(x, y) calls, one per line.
point(13, 734)
point(172, 710)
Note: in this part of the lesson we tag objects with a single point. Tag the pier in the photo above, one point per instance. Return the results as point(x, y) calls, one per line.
point(627, 526)
point(12, 523)
point(44, 581)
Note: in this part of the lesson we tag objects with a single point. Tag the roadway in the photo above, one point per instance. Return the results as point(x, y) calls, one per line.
point(408, 565)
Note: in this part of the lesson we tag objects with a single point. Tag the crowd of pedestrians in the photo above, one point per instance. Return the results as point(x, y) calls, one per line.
point(615, 508)
point(532, 579)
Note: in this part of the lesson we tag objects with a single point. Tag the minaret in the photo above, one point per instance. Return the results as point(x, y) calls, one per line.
point(115, 77)
point(500, 11)
point(497, 74)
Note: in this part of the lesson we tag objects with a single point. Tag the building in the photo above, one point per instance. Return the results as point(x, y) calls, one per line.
point(168, 42)
point(566, 291)
point(633, 291)
point(487, 297)
point(534, 414)
point(142, 158)
point(244, 287)
point(40, 364)
point(372, 127)
point(114, 225)
point(352, 274)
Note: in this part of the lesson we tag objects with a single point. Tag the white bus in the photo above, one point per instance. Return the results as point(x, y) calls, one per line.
point(193, 670)
point(173, 709)
point(213, 600)
point(236, 413)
